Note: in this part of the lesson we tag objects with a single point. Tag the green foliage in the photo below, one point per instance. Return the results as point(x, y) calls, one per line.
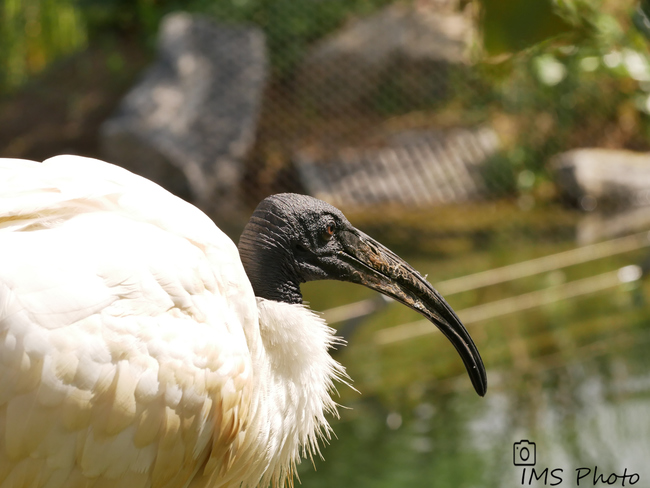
point(290, 26)
point(513, 25)
point(562, 89)
point(566, 73)
point(34, 33)
point(499, 174)
point(108, 18)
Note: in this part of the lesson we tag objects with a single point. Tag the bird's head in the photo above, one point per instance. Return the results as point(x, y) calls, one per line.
point(291, 239)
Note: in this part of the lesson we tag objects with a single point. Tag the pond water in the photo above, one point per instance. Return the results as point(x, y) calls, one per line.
point(571, 376)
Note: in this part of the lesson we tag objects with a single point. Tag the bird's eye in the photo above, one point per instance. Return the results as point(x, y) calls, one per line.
point(329, 230)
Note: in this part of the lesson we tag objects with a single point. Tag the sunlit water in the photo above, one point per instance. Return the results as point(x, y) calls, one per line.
point(572, 376)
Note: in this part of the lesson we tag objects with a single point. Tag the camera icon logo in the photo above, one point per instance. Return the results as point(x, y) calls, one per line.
point(524, 453)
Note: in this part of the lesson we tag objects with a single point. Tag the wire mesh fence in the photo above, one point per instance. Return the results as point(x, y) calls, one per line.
point(435, 125)
point(399, 113)
point(449, 130)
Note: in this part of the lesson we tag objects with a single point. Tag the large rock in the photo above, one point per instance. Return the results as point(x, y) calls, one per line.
point(192, 118)
point(603, 178)
point(415, 169)
point(405, 48)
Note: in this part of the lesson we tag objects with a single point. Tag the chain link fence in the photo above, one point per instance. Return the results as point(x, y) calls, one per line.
point(432, 131)
point(500, 146)
point(439, 126)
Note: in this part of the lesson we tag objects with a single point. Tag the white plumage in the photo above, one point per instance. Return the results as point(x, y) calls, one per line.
point(133, 352)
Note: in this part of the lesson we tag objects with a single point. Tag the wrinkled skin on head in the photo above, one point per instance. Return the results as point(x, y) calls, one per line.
point(292, 239)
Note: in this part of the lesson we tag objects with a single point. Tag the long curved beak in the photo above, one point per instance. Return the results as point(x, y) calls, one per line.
point(377, 267)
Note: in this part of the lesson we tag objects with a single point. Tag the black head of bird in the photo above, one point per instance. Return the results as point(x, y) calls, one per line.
point(291, 239)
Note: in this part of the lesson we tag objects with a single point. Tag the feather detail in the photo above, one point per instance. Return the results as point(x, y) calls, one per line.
point(133, 353)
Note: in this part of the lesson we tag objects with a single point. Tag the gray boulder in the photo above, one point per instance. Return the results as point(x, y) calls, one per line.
point(603, 178)
point(417, 168)
point(409, 46)
point(192, 118)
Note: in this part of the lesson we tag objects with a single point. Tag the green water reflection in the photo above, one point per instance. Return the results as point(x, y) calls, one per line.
point(572, 376)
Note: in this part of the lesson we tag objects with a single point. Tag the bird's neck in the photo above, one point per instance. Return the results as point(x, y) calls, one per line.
point(295, 375)
point(268, 263)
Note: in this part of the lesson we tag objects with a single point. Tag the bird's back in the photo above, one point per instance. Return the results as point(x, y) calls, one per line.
point(125, 322)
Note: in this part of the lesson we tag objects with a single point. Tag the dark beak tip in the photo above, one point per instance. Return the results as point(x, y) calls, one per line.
point(476, 371)
point(479, 380)
point(384, 271)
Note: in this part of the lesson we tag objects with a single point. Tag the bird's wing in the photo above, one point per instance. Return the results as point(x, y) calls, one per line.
point(124, 316)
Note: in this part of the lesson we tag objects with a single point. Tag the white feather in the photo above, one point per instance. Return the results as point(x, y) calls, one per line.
point(133, 352)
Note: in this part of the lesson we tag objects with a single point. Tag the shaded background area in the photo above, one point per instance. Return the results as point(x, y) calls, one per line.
point(437, 127)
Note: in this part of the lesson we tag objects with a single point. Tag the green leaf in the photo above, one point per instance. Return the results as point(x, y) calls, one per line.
point(513, 25)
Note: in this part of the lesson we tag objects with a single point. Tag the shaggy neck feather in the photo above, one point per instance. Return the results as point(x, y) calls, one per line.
point(294, 381)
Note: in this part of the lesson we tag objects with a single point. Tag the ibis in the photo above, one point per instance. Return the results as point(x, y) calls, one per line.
point(141, 348)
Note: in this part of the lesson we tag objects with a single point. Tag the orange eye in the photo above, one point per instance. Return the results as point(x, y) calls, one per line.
point(329, 231)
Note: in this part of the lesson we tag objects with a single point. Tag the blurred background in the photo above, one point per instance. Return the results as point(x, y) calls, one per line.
point(500, 146)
